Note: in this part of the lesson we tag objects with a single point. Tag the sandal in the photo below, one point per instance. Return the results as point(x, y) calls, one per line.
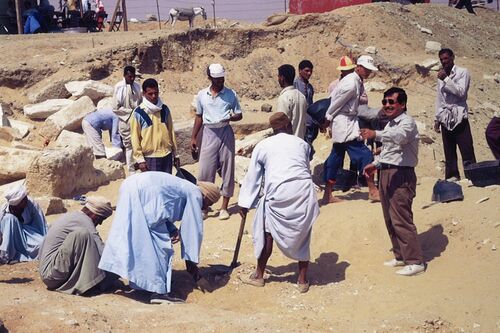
point(252, 280)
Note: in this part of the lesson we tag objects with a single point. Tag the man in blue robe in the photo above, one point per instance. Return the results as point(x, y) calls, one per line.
point(139, 246)
point(22, 226)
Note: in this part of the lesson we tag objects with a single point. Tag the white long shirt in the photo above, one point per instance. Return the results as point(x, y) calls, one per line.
point(343, 110)
point(126, 98)
point(294, 104)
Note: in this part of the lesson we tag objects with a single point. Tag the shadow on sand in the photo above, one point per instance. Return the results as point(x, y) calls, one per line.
point(17, 280)
point(433, 242)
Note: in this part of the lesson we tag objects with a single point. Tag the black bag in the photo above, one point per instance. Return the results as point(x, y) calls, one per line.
point(345, 180)
point(317, 110)
point(445, 191)
point(186, 175)
point(483, 173)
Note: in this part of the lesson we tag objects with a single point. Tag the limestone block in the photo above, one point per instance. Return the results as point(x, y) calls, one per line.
point(93, 89)
point(432, 64)
point(245, 146)
point(241, 168)
point(69, 118)
point(50, 205)
point(23, 127)
point(15, 163)
point(53, 90)
point(46, 108)
point(105, 103)
point(62, 173)
point(432, 47)
point(68, 138)
point(423, 133)
point(9, 134)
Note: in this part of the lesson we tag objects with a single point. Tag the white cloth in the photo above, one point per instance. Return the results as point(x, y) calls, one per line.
point(126, 98)
point(451, 99)
point(16, 194)
point(399, 142)
point(343, 110)
point(289, 207)
point(294, 104)
point(138, 247)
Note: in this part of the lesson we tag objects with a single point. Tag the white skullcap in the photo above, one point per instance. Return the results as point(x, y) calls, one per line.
point(16, 194)
point(216, 70)
point(99, 206)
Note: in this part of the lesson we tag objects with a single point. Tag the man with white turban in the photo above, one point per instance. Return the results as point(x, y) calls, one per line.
point(22, 227)
point(288, 207)
point(72, 249)
point(140, 243)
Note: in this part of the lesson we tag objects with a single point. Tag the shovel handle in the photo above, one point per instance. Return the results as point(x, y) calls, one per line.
point(234, 263)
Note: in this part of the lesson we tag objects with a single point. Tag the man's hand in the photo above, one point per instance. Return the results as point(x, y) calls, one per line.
point(377, 151)
point(441, 74)
point(325, 124)
point(369, 170)
point(437, 127)
point(177, 162)
point(367, 133)
point(194, 145)
point(175, 238)
point(142, 166)
point(243, 212)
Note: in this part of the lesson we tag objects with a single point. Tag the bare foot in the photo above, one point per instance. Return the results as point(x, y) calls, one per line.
point(374, 196)
point(330, 200)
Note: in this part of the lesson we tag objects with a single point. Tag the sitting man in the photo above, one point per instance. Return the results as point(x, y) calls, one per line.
point(139, 246)
point(289, 207)
point(72, 249)
point(22, 226)
point(94, 123)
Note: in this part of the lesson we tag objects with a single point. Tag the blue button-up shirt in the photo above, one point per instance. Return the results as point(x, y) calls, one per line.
point(217, 109)
point(105, 120)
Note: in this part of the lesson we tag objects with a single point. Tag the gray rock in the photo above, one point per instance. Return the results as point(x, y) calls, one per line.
point(93, 89)
point(426, 30)
point(50, 205)
point(432, 64)
point(245, 146)
point(371, 50)
point(15, 163)
point(46, 108)
point(375, 86)
point(61, 173)
point(432, 47)
point(266, 107)
point(69, 118)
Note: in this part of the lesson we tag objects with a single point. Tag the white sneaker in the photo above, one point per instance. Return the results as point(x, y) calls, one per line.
point(223, 214)
point(410, 270)
point(394, 263)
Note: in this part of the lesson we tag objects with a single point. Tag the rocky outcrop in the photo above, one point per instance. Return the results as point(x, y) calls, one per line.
point(15, 163)
point(45, 109)
point(69, 118)
point(61, 173)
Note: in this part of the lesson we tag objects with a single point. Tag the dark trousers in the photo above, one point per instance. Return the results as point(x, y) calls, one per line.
point(460, 136)
point(467, 4)
point(358, 152)
point(397, 189)
point(493, 136)
point(309, 137)
point(163, 164)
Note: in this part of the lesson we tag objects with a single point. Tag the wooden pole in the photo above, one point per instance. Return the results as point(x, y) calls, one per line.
point(158, 12)
point(113, 18)
point(81, 8)
point(285, 6)
point(213, 6)
point(124, 10)
point(18, 18)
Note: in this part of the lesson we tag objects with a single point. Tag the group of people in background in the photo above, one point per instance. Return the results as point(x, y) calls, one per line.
point(73, 258)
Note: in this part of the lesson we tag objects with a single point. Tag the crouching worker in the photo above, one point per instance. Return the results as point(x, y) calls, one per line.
point(289, 207)
point(72, 248)
point(140, 243)
point(22, 227)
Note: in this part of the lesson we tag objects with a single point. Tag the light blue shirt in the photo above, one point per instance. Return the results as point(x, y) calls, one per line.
point(105, 120)
point(217, 109)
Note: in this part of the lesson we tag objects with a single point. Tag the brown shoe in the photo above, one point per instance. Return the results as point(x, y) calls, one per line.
point(252, 280)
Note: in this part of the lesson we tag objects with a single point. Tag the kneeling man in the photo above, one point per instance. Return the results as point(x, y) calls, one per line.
point(289, 207)
point(71, 251)
point(22, 227)
point(139, 246)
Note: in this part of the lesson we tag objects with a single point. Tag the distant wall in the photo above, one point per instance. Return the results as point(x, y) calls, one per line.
point(321, 6)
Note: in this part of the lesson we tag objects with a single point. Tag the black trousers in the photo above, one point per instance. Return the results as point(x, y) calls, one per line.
point(493, 136)
point(460, 136)
point(467, 4)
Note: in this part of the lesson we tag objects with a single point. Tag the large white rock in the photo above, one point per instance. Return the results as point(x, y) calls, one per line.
point(62, 173)
point(23, 127)
point(375, 86)
point(432, 64)
point(70, 139)
point(69, 118)
point(15, 163)
point(432, 47)
point(241, 167)
point(245, 146)
point(93, 89)
point(45, 109)
point(105, 103)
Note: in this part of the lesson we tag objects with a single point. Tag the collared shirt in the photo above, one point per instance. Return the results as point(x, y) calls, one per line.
point(308, 91)
point(105, 120)
point(399, 142)
point(363, 99)
point(343, 110)
point(451, 99)
point(292, 103)
point(126, 98)
point(217, 109)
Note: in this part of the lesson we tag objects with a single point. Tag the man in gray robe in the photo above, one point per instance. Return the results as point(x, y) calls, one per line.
point(72, 249)
point(288, 208)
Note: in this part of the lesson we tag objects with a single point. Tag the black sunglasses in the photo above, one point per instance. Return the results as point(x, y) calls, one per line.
point(390, 101)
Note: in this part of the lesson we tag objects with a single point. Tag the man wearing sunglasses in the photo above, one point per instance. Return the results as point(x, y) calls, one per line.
point(398, 182)
point(342, 115)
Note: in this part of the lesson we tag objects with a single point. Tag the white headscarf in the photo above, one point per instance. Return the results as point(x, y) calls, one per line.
point(16, 194)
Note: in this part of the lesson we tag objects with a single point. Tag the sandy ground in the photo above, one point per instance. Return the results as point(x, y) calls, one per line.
point(351, 291)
